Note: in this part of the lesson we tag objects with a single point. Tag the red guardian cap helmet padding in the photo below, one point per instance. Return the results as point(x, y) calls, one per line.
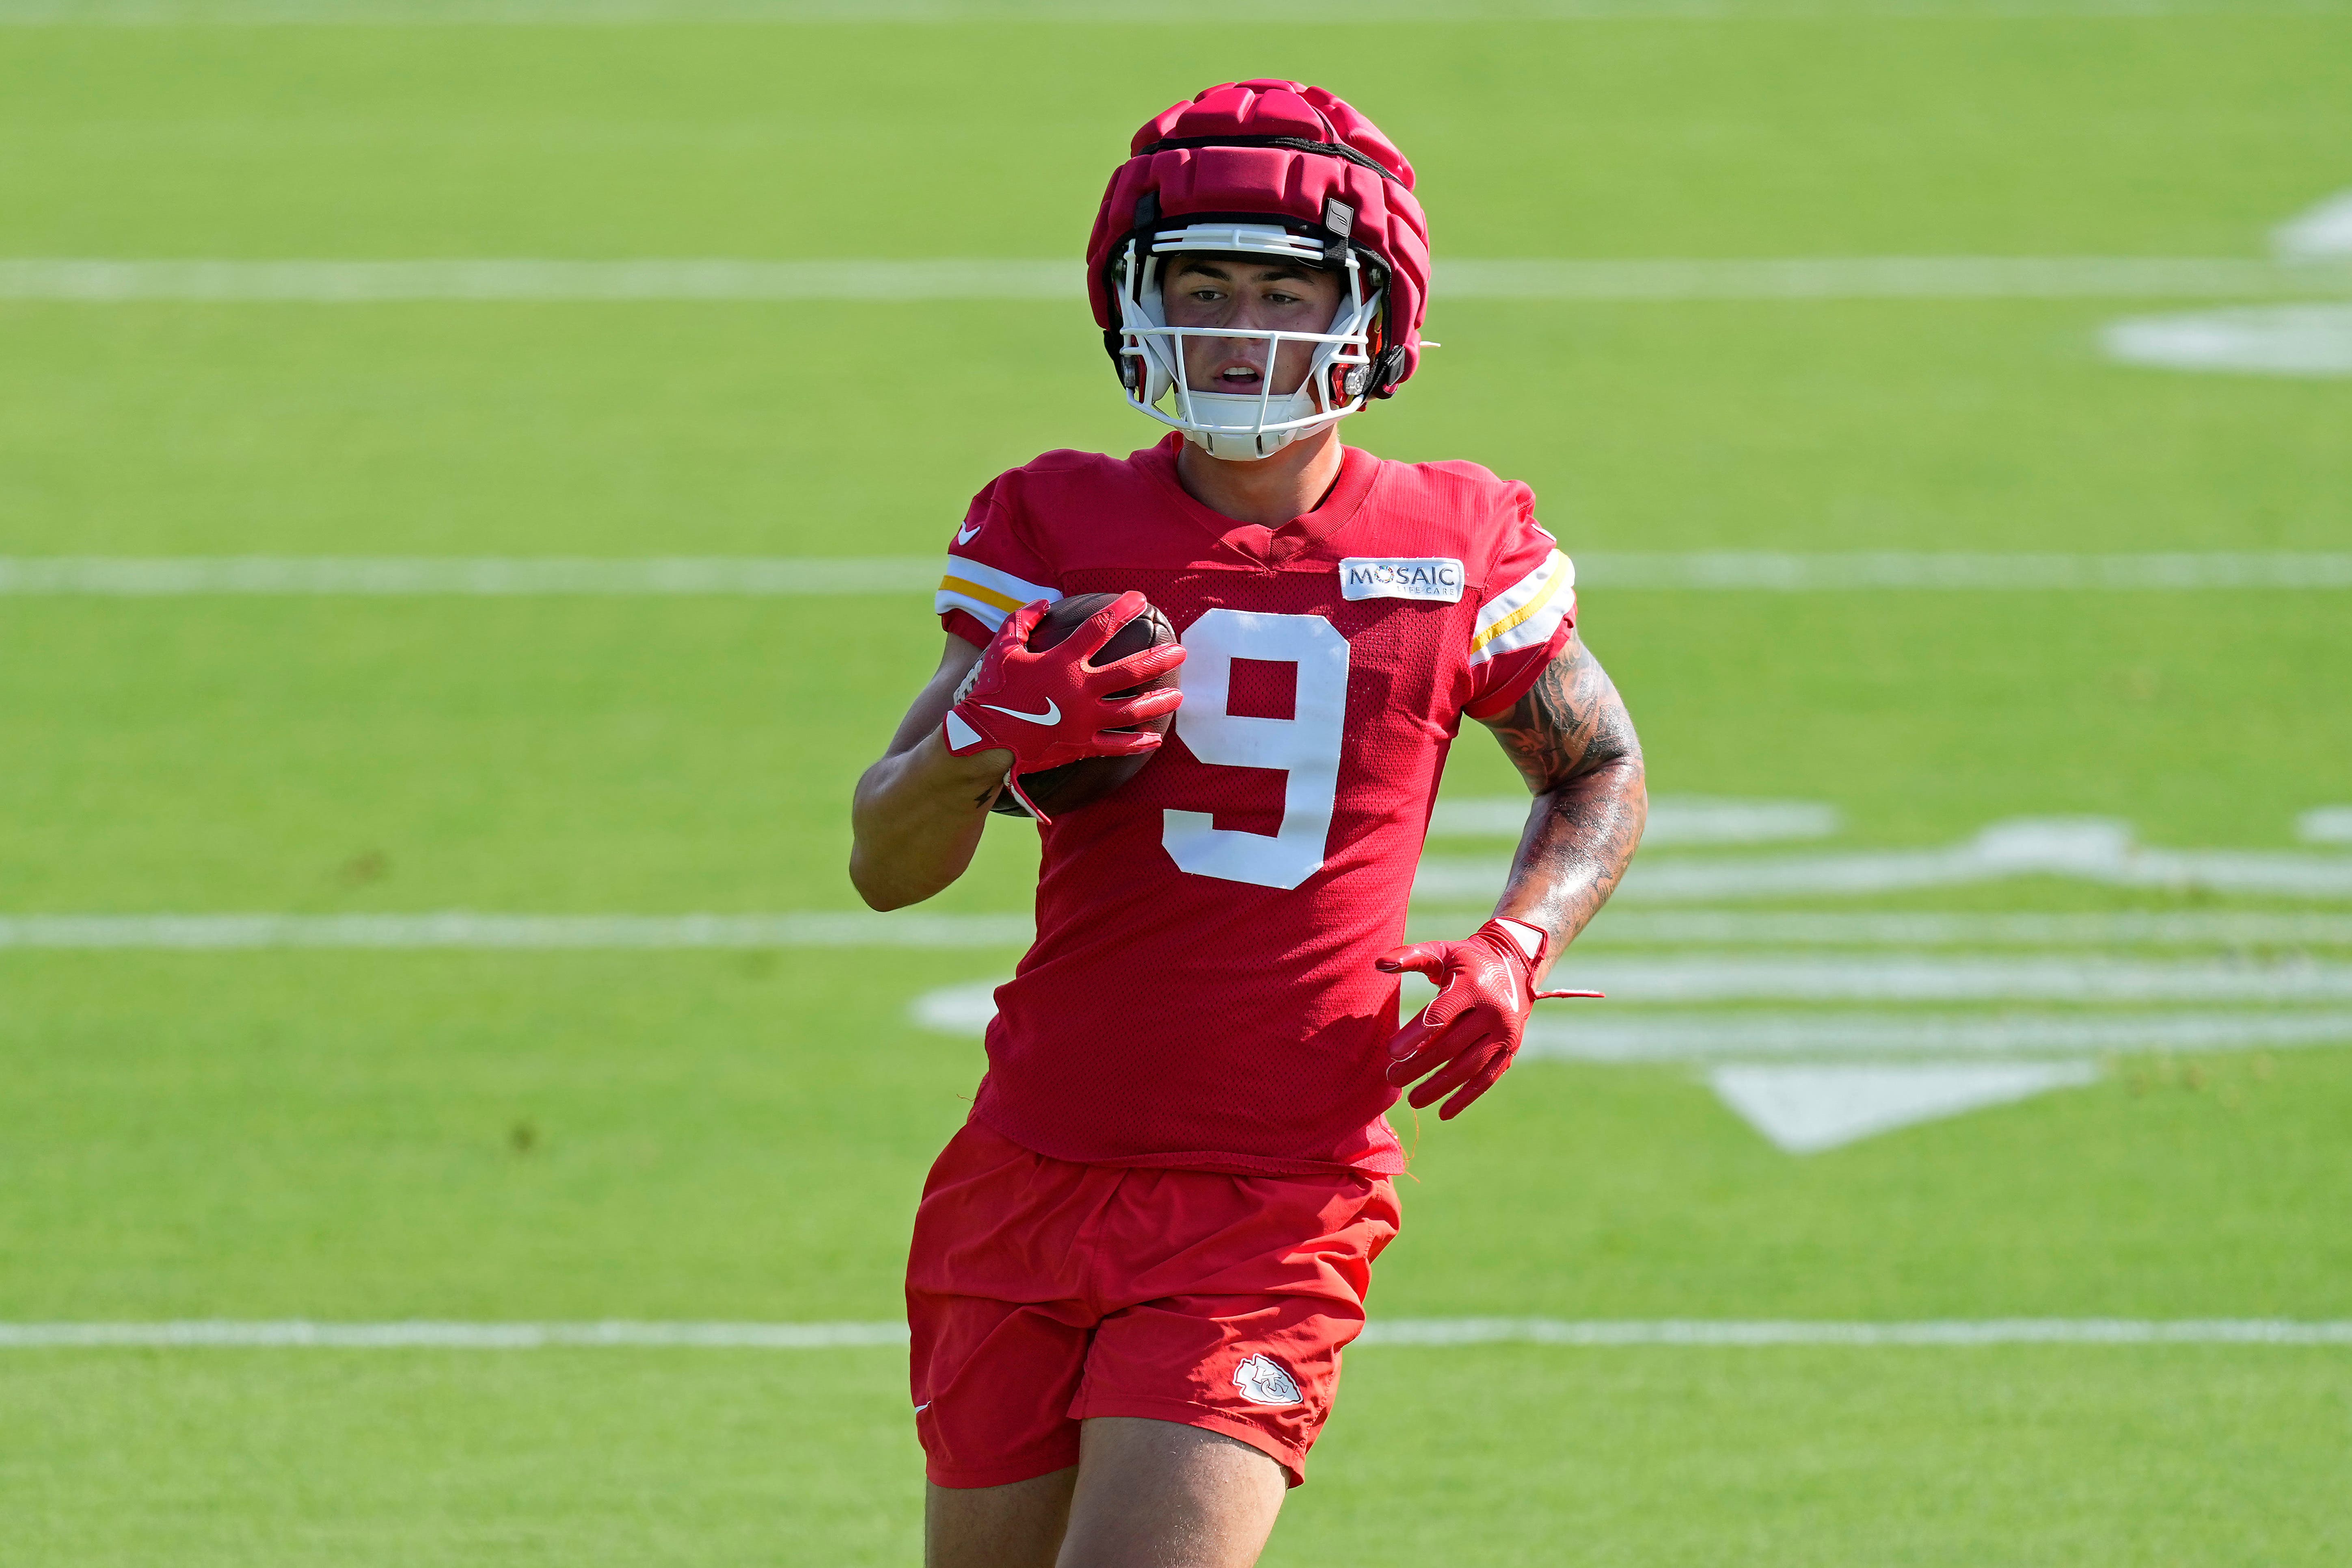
point(1262, 168)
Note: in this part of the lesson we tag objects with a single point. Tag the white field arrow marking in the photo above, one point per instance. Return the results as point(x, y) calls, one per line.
point(1805, 1110)
point(2322, 233)
point(2304, 340)
point(1804, 1106)
point(2272, 340)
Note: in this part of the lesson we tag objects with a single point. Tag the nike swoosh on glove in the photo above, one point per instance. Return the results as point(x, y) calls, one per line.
point(1469, 1035)
point(1051, 706)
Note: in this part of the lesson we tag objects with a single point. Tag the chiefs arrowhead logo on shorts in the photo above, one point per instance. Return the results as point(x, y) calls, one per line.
point(1263, 1380)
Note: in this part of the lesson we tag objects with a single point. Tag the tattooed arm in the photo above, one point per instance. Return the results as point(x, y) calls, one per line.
point(1572, 739)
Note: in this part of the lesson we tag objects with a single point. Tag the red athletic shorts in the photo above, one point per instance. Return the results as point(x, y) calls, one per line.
point(1042, 1292)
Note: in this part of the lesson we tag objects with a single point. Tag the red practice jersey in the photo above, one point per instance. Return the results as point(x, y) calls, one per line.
point(1202, 991)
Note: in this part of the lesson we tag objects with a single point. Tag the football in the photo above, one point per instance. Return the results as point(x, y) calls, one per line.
point(1074, 784)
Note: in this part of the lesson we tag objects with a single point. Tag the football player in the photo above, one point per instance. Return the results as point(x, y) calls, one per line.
point(1135, 1266)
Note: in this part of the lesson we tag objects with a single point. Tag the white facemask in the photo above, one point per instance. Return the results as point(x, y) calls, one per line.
point(1240, 426)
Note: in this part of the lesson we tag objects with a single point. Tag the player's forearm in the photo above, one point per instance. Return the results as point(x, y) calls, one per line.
point(1571, 739)
point(917, 821)
point(1578, 839)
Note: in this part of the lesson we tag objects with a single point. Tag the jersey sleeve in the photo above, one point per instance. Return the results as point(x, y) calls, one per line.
point(990, 572)
point(1527, 617)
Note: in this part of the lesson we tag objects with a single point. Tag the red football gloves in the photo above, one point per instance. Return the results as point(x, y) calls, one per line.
point(1050, 707)
point(1470, 1033)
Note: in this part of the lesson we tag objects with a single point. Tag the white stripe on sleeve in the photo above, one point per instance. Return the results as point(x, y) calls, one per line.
point(1526, 614)
point(986, 594)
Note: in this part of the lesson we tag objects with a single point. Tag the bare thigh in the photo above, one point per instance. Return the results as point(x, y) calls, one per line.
point(1145, 1494)
point(1016, 1526)
point(1156, 1494)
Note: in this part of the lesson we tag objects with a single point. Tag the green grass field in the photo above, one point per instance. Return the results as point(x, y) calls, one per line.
point(487, 1136)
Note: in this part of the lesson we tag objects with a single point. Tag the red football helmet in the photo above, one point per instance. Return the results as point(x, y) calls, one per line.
point(1262, 168)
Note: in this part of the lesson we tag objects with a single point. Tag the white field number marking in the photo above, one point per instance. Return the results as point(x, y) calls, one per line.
point(1305, 746)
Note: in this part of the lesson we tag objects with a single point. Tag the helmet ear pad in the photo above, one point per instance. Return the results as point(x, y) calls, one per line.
point(1147, 375)
point(1389, 364)
point(1121, 365)
point(1159, 373)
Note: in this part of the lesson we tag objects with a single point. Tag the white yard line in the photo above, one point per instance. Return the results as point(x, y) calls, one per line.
point(136, 577)
point(304, 1334)
point(1886, 278)
point(1958, 1331)
point(466, 929)
point(105, 279)
point(2249, 928)
point(353, 282)
point(862, 928)
point(1600, 1033)
point(1783, 571)
point(1597, 1034)
point(1921, 977)
point(638, 13)
point(140, 577)
point(2086, 849)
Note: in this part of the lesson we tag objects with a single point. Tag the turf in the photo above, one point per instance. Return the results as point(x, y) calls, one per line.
point(1515, 1458)
point(2034, 1458)
point(667, 755)
point(724, 1458)
point(1829, 136)
point(748, 428)
point(483, 1136)
point(706, 1135)
point(648, 427)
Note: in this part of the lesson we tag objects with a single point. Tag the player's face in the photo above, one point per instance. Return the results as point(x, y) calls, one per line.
point(1246, 294)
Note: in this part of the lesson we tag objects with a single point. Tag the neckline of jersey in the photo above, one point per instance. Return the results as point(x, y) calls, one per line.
point(1269, 547)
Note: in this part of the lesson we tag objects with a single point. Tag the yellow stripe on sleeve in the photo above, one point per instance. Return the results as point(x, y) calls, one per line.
point(972, 590)
point(1515, 618)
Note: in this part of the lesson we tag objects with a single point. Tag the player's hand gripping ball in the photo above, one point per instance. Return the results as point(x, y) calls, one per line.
point(1468, 1037)
point(1079, 691)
